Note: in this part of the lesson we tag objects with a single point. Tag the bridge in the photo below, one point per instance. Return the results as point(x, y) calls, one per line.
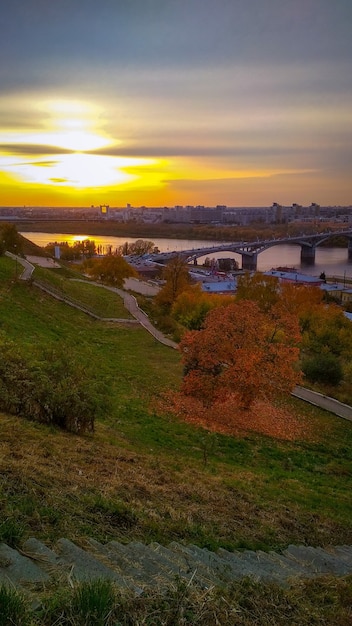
point(249, 250)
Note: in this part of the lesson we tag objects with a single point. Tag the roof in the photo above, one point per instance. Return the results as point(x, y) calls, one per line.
point(295, 277)
point(221, 286)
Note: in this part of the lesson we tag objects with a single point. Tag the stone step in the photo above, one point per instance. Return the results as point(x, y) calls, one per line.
point(196, 567)
point(344, 553)
point(148, 554)
point(83, 565)
point(317, 560)
point(128, 572)
point(248, 564)
point(18, 569)
point(147, 569)
point(330, 563)
point(187, 568)
point(40, 553)
point(183, 569)
point(264, 566)
point(287, 568)
point(213, 561)
point(138, 566)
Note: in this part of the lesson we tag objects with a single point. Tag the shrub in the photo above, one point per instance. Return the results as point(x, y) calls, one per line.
point(64, 394)
point(323, 368)
point(54, 389)
point(16, 385)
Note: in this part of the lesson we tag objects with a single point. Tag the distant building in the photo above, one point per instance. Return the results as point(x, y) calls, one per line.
point(104, 211)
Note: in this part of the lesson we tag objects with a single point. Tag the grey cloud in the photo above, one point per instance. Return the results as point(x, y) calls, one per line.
point(176, 33)
point(187, 150)
point(32, 149)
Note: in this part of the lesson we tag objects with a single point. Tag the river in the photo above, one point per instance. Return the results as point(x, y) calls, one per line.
point(332, 261)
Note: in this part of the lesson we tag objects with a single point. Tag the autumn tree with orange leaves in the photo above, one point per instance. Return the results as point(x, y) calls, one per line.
point(242, 353)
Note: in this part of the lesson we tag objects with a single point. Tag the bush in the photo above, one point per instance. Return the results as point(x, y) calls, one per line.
point(64, 394)
point(323, 368)
point(54, 389)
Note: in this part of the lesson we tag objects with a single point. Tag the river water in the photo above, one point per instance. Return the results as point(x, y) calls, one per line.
point(332, 261)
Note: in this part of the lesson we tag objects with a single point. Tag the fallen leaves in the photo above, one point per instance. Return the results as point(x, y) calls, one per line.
point(229, 418)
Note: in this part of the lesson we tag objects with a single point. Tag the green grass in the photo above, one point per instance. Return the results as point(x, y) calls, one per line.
point(103, 302)
point(244, 603)
point(7, 270)
point(14, 609)
point(145, 475)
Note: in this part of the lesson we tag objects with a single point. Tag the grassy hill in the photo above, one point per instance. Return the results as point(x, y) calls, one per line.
point(147, 476)
point(144, 475)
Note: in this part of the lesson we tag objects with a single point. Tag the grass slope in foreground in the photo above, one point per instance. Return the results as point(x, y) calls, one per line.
point(147, 476)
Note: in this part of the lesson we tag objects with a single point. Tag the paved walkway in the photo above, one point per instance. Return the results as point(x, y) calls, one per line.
point(43, 261)
point(140, 286)
point(131, 305)
point(28, 270)
point(324, 402)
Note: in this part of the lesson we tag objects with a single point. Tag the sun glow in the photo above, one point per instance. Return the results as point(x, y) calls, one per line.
point(76, 126)
point(75, 170)
point(58, 154)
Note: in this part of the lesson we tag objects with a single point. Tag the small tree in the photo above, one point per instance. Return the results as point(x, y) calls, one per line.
point(139, 247)
point(176, 275)
point(241, 352)
point(16, 382)
point(192, 306)
point(78, 250)
point(10, 239)
point(110, 270)
point(265, 290)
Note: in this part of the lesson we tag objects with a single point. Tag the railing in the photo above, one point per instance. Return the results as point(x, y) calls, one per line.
point(61, 295)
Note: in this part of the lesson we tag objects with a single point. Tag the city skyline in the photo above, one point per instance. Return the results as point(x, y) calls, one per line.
point(234, 102)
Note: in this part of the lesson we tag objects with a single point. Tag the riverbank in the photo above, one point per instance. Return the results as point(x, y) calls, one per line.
point(209, 232)
point(331, 261)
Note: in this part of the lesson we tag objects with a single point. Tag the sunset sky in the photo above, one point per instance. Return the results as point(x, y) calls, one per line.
point(164, 102)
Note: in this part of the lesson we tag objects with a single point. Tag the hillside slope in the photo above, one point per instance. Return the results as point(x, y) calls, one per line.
point(149, 477)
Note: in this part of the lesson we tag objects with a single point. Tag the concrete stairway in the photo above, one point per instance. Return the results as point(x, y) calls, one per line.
point(137, 566)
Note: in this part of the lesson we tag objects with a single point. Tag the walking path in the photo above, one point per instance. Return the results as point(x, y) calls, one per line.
point(131, 305)
point(324, 402)
point(28, 267)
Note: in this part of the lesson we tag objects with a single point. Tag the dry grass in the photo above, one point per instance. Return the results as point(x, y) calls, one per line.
point(63, 485)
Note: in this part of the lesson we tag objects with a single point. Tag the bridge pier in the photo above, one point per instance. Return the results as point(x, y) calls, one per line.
point(308, 255)
point(350, 249)
point(249, 261)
